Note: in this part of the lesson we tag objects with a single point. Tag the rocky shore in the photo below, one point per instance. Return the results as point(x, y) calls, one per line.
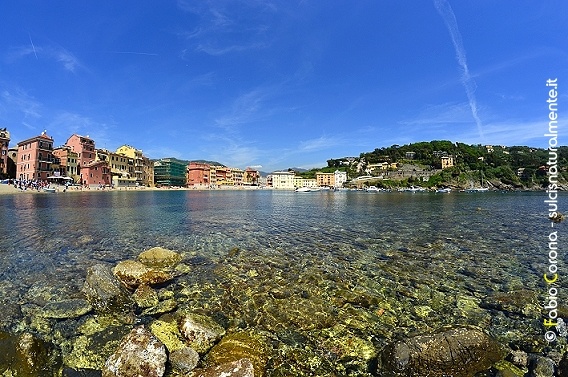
point(149, 317)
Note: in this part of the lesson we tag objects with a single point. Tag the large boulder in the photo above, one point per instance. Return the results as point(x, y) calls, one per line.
point(237, 346)
point(158, 257)
point(26, 355)
point(457, 352)
point(200, 331)
point(133, 273)
point(104, 292)
point(139, 354)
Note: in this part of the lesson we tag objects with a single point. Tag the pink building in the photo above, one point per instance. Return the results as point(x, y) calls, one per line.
point(4, 141)
point(96, 173)
point(84, 146)
point(35, 157)
point(198, 174)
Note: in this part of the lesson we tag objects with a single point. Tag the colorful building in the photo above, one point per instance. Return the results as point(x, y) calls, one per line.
point(198, 174)
point(340, 178)
point(35, 156)
point(95, 174)
point(143, 168)
point(325, 179)
point(251, 177)
point(121, 168)
point(68, 162)
point(84, 146)
point(305, 182)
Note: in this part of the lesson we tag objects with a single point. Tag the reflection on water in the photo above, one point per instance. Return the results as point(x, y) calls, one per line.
point(421, 259)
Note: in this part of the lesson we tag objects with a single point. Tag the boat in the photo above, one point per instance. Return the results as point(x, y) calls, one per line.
point(415, 189)
point(372, 189)
point(478, 189)
point(305, 189)
point(445, 190)
point(48, 189)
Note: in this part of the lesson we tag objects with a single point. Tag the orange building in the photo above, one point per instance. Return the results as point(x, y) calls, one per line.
point(84, 146)
point(325, 179)
point(198, 174)
point(251, 177)
point(35, 156)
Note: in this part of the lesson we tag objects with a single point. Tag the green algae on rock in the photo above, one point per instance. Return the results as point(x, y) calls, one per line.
point(71, 308)
point(200, 331)
point(240, 345)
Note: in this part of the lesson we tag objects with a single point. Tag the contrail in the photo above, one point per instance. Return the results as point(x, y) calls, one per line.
point(33, 47)
point(445, 10)
point(132, 53)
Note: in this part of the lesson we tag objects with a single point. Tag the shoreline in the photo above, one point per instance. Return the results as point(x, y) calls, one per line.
point(6, 189)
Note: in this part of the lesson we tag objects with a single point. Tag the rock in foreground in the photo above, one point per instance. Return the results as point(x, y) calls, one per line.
point(458, 352)
point(139, 354)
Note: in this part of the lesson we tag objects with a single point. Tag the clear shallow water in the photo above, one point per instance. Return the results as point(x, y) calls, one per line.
point(380, 264)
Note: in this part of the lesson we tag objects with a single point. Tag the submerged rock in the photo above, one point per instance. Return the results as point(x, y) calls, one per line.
point(237, 346)
point(104, 292)
point(458, 352)
point(158, 257)
point(26, 355)
point(133, 273)
point(184, 360)
point(71, 308)
point(200, 331)
point(239, 368)
point(139, 354)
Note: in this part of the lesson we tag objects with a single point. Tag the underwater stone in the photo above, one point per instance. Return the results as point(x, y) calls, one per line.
point(138, 354)
point(92, 350)
point(165, 306)
point(200, 331)
point(458, 352)
point(184, 359)
point(26, 355)
point(133, 273)
point(71, 308)
point(168, 333)
point(145, 296)
point(104, 292)
point(507, 369)
point(237, 346)
point(158, 257)
point(540, 366)
point(239, 368)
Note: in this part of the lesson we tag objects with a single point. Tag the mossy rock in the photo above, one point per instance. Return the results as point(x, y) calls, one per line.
point(240, 345)
point(168, 333)
point(158, 257)
point(71, 308)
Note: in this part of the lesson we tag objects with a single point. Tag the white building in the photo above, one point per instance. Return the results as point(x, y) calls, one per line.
point(340, 178)
point(283, 180)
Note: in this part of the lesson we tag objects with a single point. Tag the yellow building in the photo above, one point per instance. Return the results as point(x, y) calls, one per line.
point(305, 182)
point(143, 168)
point(325, 179)
point(121, 168)
point(447, 161)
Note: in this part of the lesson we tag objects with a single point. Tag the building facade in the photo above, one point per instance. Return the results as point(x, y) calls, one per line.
point(198, 175)
point(305, 182)
point(96, 174)
point(121, 168)
point(251, 177)
point(325, 179)
point(84, 146)
point(68, 161)
point(4, 145)
point(447, 162)
point(35, 156)
point(340, 178)
point(283, 180)
point(143, 168)
point(170, 172)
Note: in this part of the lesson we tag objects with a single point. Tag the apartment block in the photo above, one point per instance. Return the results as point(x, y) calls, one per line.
point(143, 167)
point(283, 180)
point(35, 156)
point(170, 172)
point(325, 179)
point(68, 162)
point(198, 174)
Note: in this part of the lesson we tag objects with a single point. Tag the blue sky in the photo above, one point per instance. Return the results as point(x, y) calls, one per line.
point(281, 83)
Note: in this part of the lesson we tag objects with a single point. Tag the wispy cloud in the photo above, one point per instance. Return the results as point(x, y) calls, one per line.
point(67, 59)
point(445, 10)
point(318, 144)
point(217, 51)
point(66, 123)
point(245, 109)
point(20, 102)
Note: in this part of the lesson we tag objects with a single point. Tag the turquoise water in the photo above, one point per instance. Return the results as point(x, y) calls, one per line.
point(378, 264)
